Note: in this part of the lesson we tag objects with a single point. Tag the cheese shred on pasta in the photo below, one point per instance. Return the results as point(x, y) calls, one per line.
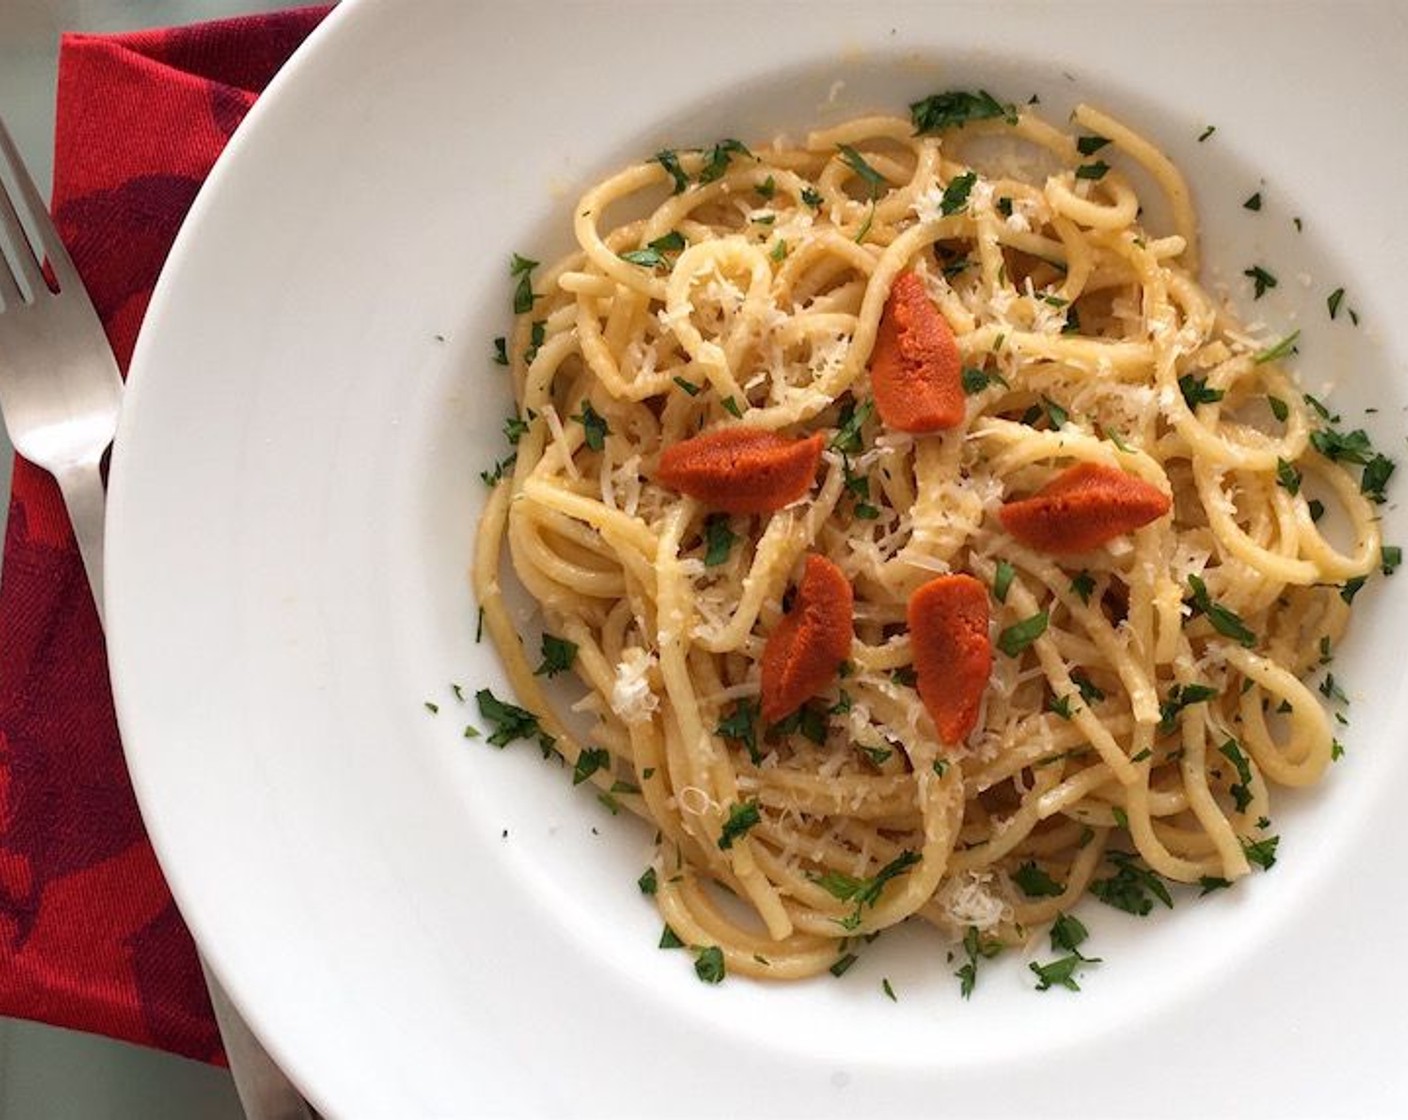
point(1164, 698)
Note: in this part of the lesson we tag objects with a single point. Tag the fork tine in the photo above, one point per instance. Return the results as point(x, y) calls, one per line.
point(59, 261)
point(10, 294)
point(19, 263)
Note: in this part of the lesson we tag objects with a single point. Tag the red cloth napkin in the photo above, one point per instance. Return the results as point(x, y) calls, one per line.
point(89, 936)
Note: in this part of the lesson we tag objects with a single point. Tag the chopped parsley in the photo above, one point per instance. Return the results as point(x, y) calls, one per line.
point(1350, 588)
point(843, 964)
point(1333, 302)
point(558, 655)
point(688, 386)
point(1224, 621)
point(501, 351)
point(808, 719)
point(588, 763)
point(812, 197)
point(878, 755)
point(1002, 580)
point(864, 892)
point(1262, 281)
point(1092, 171)
point(1279, 408)
point(709, 964)
point(671, 163)
point(1390, 556)
point(1083, 585)
point(731, 407)
point(856, 162)
point(955, 196)
point(976, 380)
point(720, 156)
point(1206, 132)
point(975, 948)
point(1089, 145)
point(1287, 477)
point(669, 939)
point(1181, 696)
point(1061, 706)
point(1060, 972)
point(594, 426)
point(653, 255)
point(523, 297)
point(1056, 416)
point(1017, 637)
point(1089, 691)
point(1196, 391)
point(1283, 349)
point(1242, 791)
point(741, 817)
point(648, 882)
point(537, 333)
point(1035, 882)
point(1376, 475)
point(741, 726)
point(1130, 887)
point(956, 108)
point(509, 721)
point(1347, 447)
point(1262, 852)
point(1253, 203)
point(719, 540)
point(1067, 933)
point(848, 437)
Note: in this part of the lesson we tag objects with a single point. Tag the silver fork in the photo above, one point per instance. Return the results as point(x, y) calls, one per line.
point(60, 390)
point(60, 394)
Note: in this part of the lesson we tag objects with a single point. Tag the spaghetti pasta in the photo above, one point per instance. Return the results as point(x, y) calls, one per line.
point(1144, 695)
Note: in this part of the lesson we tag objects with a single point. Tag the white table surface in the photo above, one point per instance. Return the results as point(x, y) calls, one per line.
point(45, 1073)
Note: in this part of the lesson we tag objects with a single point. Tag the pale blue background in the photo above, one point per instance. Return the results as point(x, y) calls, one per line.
point(48, 1074)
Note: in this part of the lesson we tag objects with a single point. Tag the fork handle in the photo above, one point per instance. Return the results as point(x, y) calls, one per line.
point(82, 487)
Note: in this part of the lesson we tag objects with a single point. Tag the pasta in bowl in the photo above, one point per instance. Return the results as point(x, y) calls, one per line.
point(928, 542)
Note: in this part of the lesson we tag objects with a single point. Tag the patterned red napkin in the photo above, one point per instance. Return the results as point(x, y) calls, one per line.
point(89, 936)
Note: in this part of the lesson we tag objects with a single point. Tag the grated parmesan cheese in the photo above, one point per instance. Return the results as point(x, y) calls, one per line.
point(631, 695)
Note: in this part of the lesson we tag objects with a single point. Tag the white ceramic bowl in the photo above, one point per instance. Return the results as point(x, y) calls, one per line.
point(424, 926)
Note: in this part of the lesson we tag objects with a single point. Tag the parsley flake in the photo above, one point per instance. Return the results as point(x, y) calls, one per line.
point(1017, 637)
point(955, 108)
point(1283, 349)
point(955, 196)
point(594, 426)
point(741, 726)
point(1224, 621)
point(1002, 580)
point(741, 817)
point(510, 722)
point(671, 163)
point(558, 655)
point(1129, 888)
point(1262, 281)
point(709, 964)
point(1035, 882)
point(523, 297)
